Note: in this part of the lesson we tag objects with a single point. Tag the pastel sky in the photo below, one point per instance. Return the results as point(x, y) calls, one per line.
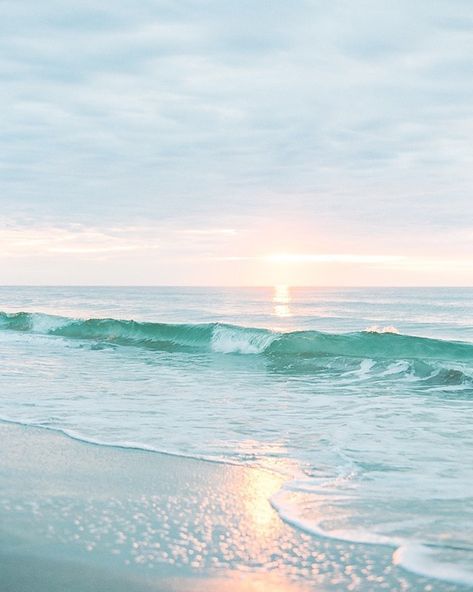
point(238, 142)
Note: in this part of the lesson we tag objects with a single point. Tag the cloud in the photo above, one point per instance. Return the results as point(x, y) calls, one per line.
point(353, 119)
point(77, 240)
point(37, 242)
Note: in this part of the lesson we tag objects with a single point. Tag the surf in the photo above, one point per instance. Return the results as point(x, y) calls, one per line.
point(235, 339)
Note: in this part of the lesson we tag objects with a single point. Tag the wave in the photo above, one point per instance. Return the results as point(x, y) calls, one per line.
point(419, 557)
point(225, 338)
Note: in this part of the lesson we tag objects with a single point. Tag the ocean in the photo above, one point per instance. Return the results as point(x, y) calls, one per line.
point(360, 398)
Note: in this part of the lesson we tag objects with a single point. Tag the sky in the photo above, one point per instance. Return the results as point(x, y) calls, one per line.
point(218, 142)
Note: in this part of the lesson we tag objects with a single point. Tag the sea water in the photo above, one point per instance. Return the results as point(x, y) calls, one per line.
point(361, 398)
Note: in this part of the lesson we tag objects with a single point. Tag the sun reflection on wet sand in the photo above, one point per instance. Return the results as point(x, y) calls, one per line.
point(238, 582)
point(281, 300)
point(257, 487)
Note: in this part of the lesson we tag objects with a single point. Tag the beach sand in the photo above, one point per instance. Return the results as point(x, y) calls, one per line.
point(81, 517)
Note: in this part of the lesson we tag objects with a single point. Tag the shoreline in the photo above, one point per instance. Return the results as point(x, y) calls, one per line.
point(82, 516)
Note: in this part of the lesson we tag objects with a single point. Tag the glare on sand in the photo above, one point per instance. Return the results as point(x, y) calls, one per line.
point(257, 488)
point(237, 582)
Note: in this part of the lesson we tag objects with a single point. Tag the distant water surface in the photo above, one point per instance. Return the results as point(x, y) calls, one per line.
point(362, 398)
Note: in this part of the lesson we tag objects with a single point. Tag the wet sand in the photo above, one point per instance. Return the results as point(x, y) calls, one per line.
point(87, 518)
point(78, 516)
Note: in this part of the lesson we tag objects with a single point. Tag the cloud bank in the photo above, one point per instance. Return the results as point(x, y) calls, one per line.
point(303, 127)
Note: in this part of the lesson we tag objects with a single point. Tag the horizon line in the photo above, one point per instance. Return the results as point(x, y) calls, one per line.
point(234, 286)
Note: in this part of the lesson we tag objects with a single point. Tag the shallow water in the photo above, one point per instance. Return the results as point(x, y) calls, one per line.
point(362, 398)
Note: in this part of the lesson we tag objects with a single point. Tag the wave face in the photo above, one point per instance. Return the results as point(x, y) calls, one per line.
point(226, 338)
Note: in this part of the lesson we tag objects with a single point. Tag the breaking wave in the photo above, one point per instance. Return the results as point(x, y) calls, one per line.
point(372, 343)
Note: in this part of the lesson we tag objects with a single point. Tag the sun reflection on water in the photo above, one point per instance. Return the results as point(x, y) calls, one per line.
point(281, 301)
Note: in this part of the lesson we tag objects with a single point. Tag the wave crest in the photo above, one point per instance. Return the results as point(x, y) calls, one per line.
point(225, 338)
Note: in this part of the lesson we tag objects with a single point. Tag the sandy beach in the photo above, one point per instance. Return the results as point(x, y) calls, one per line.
point(86, 517)
point(78, 516)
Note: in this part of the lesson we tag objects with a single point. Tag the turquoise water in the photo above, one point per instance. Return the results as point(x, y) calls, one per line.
point(362, 398)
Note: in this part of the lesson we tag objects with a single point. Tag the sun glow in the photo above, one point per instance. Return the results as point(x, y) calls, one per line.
point(331, 258)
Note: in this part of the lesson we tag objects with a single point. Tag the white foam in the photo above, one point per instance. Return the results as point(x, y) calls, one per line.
point(228, 340)
point(378, 329)
point(420, 559)
point(124, 444)
point(42, 323)
point(415, 557)
point(290, 513)
point(363, 370)
point(396, 368)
